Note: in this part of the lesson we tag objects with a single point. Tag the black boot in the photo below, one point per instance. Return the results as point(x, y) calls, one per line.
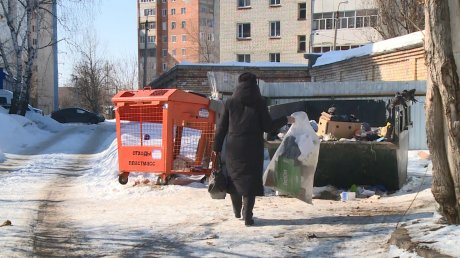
point(237, 203)
point(248, 205)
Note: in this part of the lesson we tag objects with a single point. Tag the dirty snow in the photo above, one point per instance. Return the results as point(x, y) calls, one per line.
point(109, 217)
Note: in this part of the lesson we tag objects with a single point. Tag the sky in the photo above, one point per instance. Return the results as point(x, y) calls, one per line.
point(44, 172)
point(114, 22)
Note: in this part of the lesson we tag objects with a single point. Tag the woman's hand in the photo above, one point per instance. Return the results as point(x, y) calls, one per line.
point(290, 119)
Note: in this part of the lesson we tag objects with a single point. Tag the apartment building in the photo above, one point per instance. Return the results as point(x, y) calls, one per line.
point(173, 31)
point(345, 23)
point(264, 31)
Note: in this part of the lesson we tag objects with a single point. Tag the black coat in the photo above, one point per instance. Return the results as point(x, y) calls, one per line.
point(243, 122)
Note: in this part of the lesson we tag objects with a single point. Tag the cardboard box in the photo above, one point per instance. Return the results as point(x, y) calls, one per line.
point(336, 128)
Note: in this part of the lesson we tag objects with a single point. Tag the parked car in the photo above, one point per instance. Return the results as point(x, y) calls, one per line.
point(76, 115)
point(6, 97)
point(29, 109)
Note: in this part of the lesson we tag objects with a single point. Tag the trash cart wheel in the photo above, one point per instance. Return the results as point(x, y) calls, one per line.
point(123, 178)
point(162, 180)
point(204, 180)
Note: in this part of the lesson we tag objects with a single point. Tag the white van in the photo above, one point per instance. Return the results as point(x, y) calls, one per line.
point(6, 97)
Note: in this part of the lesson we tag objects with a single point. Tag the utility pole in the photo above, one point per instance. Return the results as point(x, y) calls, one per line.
point(336, 23)
point(145, 53)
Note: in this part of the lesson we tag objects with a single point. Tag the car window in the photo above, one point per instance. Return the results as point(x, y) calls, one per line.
point(79, 111)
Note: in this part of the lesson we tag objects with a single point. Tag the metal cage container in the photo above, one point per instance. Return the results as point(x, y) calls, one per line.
point(163, 131)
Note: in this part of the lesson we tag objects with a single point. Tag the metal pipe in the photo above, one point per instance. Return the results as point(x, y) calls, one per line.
point(144, 82)
point(335, 24)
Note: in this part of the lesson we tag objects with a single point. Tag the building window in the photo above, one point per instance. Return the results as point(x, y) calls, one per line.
point(149, 12)
point(165, 39)
point(173, 38)
point(163, 25)
point(275, 29)
point(203, 21)
point(183, 24)
point(210, 37)
point(164, 52)
point(182, 10)
point(165, 67)
point(150, 39)
point(164, 12)
point(174, 52)
point(275, 2)
point(302, 43)
point(244, 30)
point(151, 52)
point(163, 1)
point(302, 11)
point(275, 57)
point(346, 19)
point(244, 3)
point(152, 25)
point(184, 52)
point(323, 49)
point(184, 37)
point(244, 58)
point(173, 11)
point(173, 25)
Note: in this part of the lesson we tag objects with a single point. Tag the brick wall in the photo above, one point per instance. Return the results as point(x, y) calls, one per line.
point(195, 78)
point(402, 65)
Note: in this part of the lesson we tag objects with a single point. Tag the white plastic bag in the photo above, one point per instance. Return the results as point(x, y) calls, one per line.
point(292, 168)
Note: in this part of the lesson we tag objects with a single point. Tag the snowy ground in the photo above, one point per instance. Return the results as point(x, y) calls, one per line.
point(60, 191)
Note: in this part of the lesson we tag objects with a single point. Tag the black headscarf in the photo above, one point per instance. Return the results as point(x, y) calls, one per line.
point(247, 91)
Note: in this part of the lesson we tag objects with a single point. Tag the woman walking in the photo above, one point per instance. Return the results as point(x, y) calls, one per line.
point(243, 122)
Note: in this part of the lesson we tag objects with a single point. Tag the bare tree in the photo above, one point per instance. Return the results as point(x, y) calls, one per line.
point(23, 23)
point(26, 27)
point(91, 76)
point(399, 17)
point(204, 42)
point(443, 106)
point(124, 74)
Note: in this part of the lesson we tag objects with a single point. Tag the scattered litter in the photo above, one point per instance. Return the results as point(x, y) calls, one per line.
point(367, 193)
point(347, 196)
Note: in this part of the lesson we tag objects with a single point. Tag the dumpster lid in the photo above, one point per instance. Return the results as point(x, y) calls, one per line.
point(156, 95)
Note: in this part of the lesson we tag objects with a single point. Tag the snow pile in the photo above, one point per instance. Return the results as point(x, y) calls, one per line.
point(45, 122)
point(389, 45)
point(18, 132)
point(438, 236)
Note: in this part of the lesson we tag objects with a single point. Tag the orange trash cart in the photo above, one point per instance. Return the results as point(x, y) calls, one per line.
point(163, 131)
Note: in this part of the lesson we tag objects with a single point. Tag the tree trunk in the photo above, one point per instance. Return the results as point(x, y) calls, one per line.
point(442, 109)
